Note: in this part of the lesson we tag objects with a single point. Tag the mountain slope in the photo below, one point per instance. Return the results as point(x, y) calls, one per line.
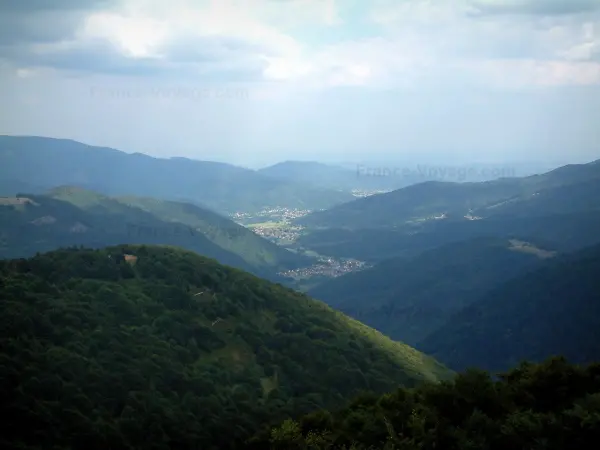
point(255, 250)
point(455, 200)
point(552, 310)
point(153, 347)
point(408, 298)
point(43, 223)
point(48, 162)
point(572, 198)
point(563, 232)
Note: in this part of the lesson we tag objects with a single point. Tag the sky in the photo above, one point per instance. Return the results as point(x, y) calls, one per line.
point(254, 82)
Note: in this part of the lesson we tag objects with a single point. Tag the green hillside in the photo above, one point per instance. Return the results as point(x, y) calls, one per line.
point(74, 216)
point(154, 347)
point(258, 252)
point(552, 310)
point(48, 162)
point(408, 298)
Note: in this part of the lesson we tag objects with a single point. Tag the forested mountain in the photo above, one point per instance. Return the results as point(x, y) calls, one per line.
point(255, 250)
point(456, 200)
point(571, 198)
point(47, 163)
point(408, 298)
point(562, 232)
point(549, 406)
point(552, 310)
point(73, 216)
point(154, 347)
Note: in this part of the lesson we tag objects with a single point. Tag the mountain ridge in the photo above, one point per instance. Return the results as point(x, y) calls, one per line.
point(225, 188)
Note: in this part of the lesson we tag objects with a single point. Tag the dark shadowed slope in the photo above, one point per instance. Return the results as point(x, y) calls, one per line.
point(552, 310)
point(222, 187)
point(408, 298)
point(154, 347)
point(563, 232)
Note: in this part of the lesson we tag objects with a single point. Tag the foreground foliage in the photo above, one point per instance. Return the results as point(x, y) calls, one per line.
point(549, 406)
point(152, 347)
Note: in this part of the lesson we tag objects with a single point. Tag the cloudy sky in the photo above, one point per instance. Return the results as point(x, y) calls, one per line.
point(259, 81)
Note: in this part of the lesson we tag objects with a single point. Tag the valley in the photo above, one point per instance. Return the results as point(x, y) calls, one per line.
point(296, 320)
point(300, 225)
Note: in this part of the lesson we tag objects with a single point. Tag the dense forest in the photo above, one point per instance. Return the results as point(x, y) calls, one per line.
point(155, 347)
point(549, 406)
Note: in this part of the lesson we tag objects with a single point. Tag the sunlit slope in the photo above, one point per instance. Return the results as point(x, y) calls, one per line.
point(154, 344)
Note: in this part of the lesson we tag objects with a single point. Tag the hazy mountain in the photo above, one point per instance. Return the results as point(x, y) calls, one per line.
point(408, 298)
point(427, 200)
point(47, 163)
point(74, 216)
point(154, 347)
point(332, 177)
point(550, 311)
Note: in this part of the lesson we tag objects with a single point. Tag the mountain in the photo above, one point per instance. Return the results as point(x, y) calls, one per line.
point(48, 162)
point(562, 232)
point(550, 406)
point(571, 198)
point(424, 201)
point(554, 310)
point(155, 347)
point(408, 298)
point(70, 216)
point(228, 235)
point(313, 173)
point(332, 177)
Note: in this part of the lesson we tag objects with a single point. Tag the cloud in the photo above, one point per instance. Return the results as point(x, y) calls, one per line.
point(420, 43)
point(534, 7)
point(9, 6)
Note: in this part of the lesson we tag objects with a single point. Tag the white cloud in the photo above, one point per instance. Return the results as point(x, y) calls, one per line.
point(329, 74)
point(436, 41)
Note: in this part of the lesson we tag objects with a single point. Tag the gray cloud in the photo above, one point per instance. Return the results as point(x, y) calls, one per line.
point(28, 6)
point(51, 26)
point(26, 23)
point(534, 7)
point(207, 58)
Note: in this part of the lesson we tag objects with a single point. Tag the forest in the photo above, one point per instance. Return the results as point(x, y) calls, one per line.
point(552, 405)
point(156, 347)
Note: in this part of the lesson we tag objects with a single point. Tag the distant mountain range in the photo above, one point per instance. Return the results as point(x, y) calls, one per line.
point(43, 163)
point(382, 176)
point(426, 201)
point(75, 216)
